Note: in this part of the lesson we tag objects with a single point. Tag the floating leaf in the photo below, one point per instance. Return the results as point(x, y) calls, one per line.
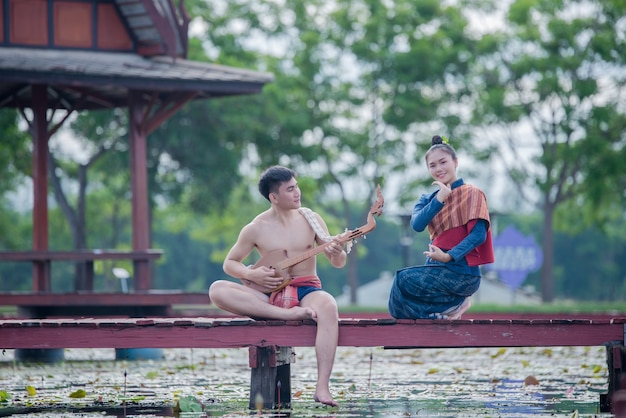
point(189, 404)
point(499, 353)
point(132, 398)
point(433, 371)
point(531, 381)
point(80, 393)
point(525, 363)
point(297, 394)
point(4, 396)
point(31, 390)
point(597, 369)
point(152, 375)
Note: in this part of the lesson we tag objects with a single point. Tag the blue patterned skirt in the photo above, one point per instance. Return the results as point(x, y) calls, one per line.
point(429, 291)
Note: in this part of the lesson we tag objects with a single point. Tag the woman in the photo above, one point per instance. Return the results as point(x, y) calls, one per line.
point(457, 218)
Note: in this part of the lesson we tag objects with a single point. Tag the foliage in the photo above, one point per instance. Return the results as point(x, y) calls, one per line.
point(363, 380)
point(591, 266)
point(360, 87)
point(15, 165)
point(189, 404)
point(557, 70)
point(14, 151)
point(353, 82)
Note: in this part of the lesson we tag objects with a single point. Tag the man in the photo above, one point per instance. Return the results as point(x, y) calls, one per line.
point(285, 227)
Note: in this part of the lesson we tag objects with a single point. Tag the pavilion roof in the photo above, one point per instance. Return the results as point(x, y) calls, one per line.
point(82, 80)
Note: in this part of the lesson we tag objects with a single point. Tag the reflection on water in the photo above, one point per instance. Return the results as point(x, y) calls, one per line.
point(366, 382)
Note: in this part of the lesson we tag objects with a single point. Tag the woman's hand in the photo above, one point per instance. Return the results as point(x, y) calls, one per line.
point(444, 190)
point(437, 254)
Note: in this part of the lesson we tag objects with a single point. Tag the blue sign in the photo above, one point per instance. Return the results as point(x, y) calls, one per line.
point(517, 256)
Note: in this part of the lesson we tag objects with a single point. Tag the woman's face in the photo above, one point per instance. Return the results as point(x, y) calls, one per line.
point(442, 166)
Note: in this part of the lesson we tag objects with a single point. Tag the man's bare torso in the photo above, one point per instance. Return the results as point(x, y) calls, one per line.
point(293, 234)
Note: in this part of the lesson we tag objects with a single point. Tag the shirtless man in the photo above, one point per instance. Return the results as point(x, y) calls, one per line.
point(283, 227)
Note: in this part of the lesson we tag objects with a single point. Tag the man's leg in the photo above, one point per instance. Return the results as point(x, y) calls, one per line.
point(240, 300)
point(326, 339)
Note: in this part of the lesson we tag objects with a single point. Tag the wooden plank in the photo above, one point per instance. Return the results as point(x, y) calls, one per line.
point(483, 333)
point(80, 255)
point(107, 299)
point(224, 333)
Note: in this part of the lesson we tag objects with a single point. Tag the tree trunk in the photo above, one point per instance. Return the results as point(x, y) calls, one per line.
point(547, 279)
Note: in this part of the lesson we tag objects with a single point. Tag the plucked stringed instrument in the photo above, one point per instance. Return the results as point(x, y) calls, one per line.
point(279, 261)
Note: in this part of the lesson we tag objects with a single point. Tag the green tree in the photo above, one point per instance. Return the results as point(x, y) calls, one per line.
point(555, 78)
point(15, 166)
point(351, 80)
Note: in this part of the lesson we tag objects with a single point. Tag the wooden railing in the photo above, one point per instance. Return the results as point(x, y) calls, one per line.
point(42, 264)
point(270, 342)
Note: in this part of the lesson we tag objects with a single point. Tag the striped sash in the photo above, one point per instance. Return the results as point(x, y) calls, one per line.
point(466, 202)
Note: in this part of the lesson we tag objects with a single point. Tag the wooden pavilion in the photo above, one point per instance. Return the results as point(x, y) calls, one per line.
point(58, 57)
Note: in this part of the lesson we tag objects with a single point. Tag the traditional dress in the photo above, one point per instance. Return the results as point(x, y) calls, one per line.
point(459, 227)
point(288, 296)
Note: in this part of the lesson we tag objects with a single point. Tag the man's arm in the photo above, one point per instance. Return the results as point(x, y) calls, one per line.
point(233, 265)
point(260, 278)
point(334, 252)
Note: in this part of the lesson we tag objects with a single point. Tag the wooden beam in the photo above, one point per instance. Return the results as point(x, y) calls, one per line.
point(232, 333)
point(167, 109)
point(41, 272)
point(139, 187)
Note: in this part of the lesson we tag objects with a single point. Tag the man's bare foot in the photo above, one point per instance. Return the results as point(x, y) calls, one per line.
point(298, 312)
point(326, 399)
point(461, 310)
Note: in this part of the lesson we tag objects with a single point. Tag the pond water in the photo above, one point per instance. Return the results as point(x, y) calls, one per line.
point(367, 382)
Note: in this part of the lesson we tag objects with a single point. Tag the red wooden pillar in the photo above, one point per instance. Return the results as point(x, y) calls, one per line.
point(41, 270)
point(139, 187)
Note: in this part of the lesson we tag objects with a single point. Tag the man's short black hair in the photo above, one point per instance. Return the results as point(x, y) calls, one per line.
point(272, 178)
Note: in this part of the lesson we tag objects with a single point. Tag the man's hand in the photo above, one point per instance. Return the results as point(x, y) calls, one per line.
point(334, 248)
point(444, 190)
point(335, 253)
point(264, 277)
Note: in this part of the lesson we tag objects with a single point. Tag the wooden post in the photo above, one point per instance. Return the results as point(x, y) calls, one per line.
point(615, 400)
point(618, 400)
point(41, 270)
point(139, 188)
point(270, 380)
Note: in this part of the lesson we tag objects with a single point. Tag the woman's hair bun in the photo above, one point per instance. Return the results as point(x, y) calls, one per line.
point(437, 140)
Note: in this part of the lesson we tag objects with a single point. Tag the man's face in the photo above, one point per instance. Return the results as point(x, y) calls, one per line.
point(288, 195)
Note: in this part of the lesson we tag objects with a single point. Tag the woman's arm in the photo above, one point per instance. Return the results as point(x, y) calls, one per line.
point(477, 236)
point(424, 211)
